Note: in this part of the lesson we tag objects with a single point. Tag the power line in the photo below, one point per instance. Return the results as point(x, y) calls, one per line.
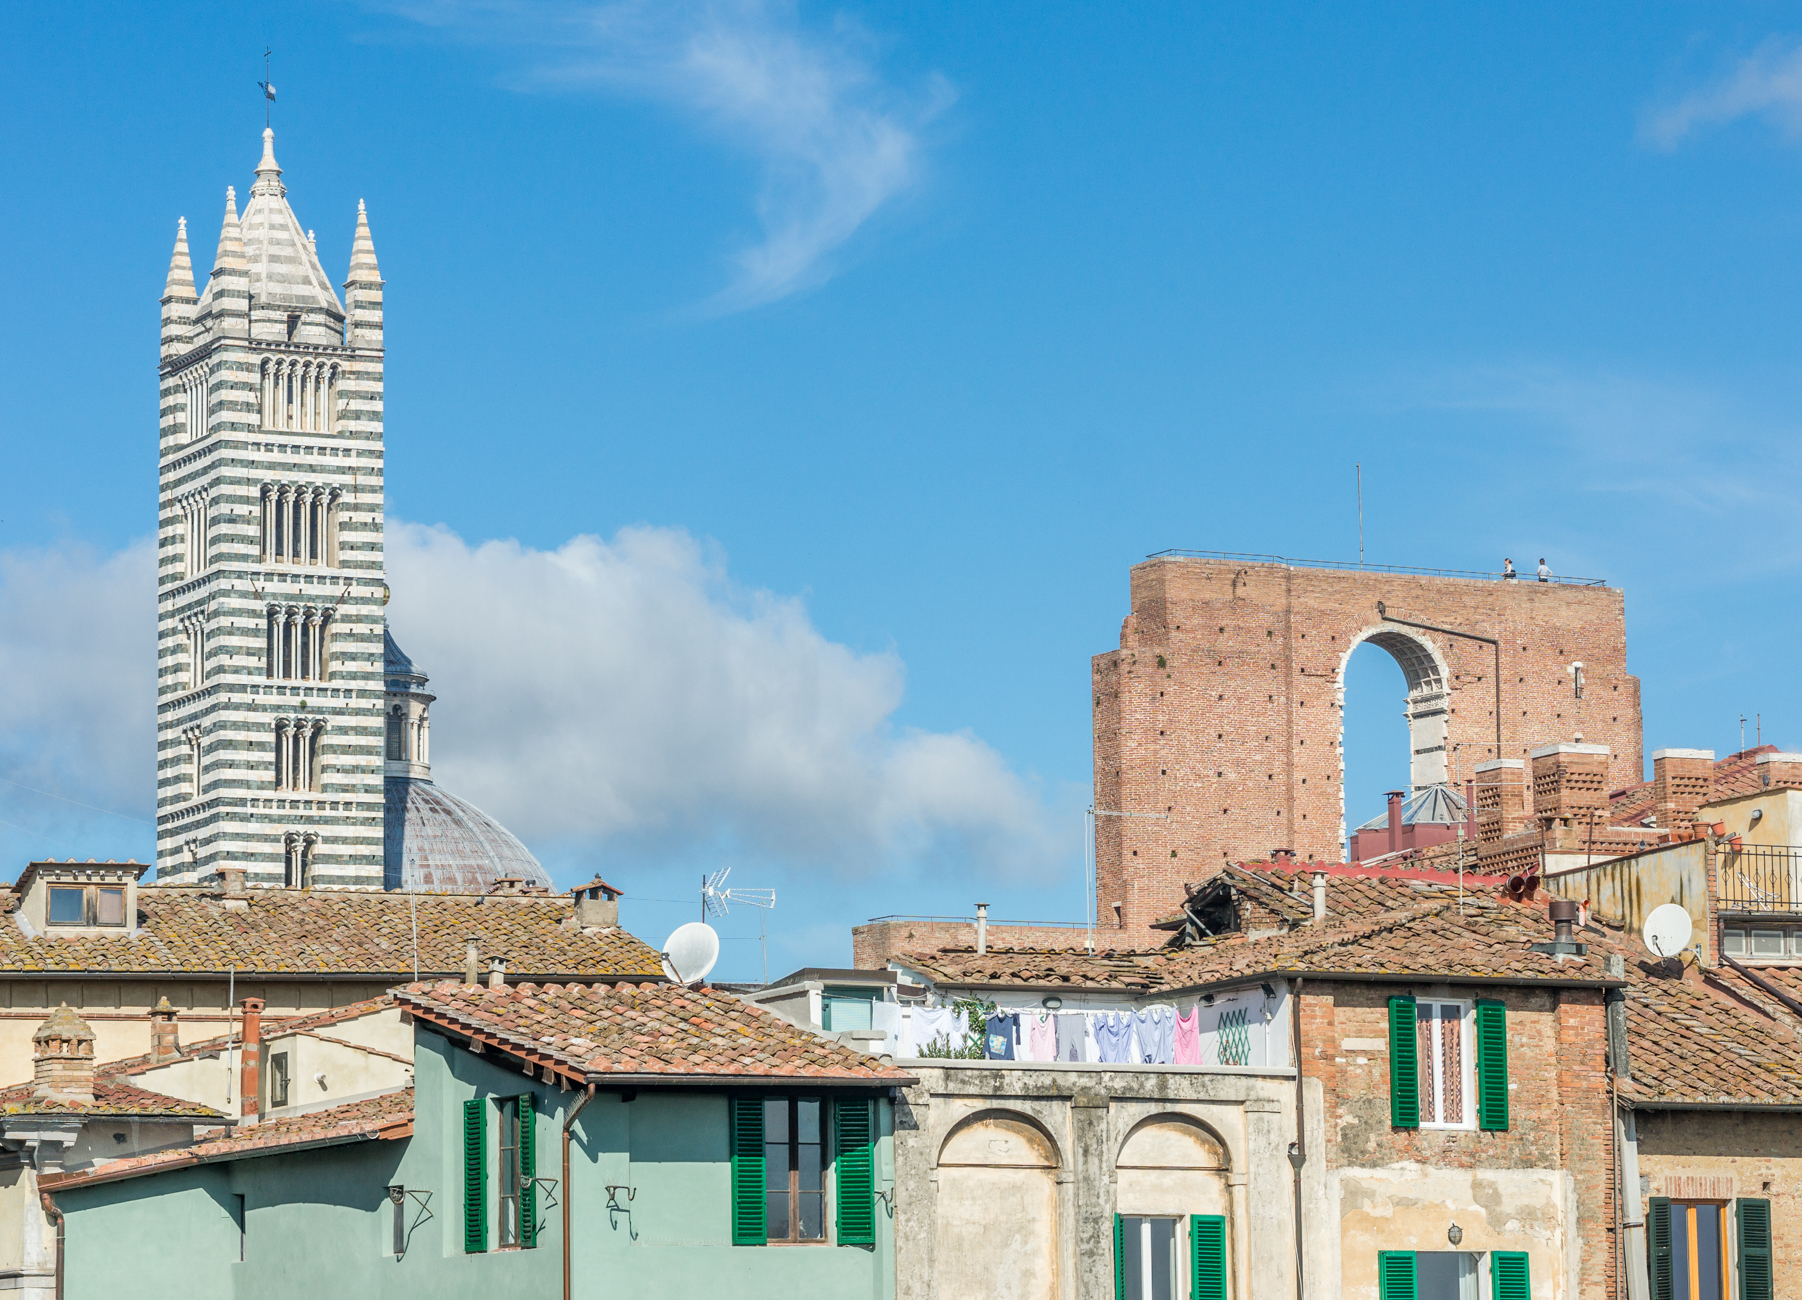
point(78, 803)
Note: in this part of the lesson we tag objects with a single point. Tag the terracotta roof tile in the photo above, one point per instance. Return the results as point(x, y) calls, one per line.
point(644, 1029)
point(273, 1026)
point(338, 932)
point(111, 1097)
point(1709, 1039)
point(389, 1115)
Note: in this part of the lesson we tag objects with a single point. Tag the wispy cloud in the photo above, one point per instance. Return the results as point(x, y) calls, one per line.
point(1767, 84)
point(836, 141)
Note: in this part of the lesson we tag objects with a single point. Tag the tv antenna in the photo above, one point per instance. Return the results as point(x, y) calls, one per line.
point(716, 900)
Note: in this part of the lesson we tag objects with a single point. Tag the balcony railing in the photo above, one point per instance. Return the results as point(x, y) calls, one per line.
point(1526, 576)
point(1761, 878)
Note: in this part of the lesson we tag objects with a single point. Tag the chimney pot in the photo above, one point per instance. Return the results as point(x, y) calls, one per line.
point(982, 928)
point(472, 961)
point(1320, 895)
point(250, 1086)
point(63, 1058)
point(1395, 819)
point(1564, 916)
point(165, 1044)
point(497, 972)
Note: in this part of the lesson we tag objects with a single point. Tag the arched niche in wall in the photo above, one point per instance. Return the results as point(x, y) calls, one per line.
point(997, 1210)
point(1172, 1165)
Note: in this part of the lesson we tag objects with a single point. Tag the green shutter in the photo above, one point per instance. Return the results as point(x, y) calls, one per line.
point(528, 1174)
point(1404, 1067)
point(1754, 1216)
point(1508, 1275)
point(1119, 1258)
point(1207, 1256)
point(475, 1175)
point(854, 1173)
point(1492, 1067)
point(1658, 1245)
point(1395, 1268)
point(749, 1226)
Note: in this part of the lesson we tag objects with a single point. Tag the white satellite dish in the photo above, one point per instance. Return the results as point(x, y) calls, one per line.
point(690, 952)
point(1667, 929)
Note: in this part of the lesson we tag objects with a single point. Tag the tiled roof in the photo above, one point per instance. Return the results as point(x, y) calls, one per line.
point(1289, 893)
point(1707, 1039)
point(389, 1115)
point(1482, 939)
point(1735, 774)
point(337, 932)
point(647, 1029)
point(112, 1098)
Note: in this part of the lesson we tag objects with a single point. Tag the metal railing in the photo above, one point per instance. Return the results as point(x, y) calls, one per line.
point(1526, 575)
point(1761, 878)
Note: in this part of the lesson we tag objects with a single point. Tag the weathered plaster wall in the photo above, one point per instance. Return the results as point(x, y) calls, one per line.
point(1625, 890)
point(1084, 1117)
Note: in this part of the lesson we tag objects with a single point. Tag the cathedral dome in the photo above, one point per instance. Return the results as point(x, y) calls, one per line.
point(431, 839)
point(435, 841)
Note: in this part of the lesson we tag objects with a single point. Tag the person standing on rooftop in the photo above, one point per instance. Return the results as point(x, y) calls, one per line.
point(1545, 574)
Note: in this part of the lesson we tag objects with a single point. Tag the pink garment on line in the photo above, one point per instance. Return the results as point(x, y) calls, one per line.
point(1188, 1038)
point(1041, 1037)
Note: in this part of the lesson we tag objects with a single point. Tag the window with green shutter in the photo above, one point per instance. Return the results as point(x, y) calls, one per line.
point(745, 1116)
point(854, 1169)
point(1658, 1245)
point(475, 1175)
point(1119, 1257)
point(1754, 1217)
point(528, 1173)
point(1207, 1257)
point(1404, 1066)
point(1492, 1067)
point(1396, 1278)
point(1508, 1275)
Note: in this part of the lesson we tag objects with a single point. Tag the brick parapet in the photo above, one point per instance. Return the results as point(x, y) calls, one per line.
point(876, 943)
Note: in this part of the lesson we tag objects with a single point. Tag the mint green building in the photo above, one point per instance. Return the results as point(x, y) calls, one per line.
point(712, 1151)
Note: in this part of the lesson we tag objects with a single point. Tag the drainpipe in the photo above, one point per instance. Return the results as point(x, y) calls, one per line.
point(56, 1217)
point(982, 928)
point(1628, 1205)
point(1298, 1153)
point(568, 1123)
point(1320, 895)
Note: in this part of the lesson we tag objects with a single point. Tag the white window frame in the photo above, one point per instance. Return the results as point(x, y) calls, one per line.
point(1467, 1055)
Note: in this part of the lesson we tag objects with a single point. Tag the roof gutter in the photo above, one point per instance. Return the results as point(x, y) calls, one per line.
point(385, 1133)
point(639, 1082)
point(1327, 976)
point(315, 977)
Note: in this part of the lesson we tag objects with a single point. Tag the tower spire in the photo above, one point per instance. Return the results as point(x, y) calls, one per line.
point(228, 290)
point(269, 174)
point(178, 295)
point(363, 287)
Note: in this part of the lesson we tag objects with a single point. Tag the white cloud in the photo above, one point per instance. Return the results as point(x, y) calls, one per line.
point(835, 141)
point(630, 689)
point(1767, 84)
point(623, 692)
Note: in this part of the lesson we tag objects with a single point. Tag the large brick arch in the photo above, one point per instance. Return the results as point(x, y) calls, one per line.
point(1223, 708)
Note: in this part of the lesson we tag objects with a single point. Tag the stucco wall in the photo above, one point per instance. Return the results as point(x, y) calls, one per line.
point(1054, 1198)
point(319, 1223)
point(1625, 890)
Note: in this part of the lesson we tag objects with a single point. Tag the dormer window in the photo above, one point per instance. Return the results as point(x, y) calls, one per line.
point(86, 905)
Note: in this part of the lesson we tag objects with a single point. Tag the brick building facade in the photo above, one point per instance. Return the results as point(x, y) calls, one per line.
point(1219, 722)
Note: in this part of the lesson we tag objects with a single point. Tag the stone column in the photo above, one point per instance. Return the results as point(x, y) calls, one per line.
point(1092, 1158)
point(916, 1194)
point(1270, 1192)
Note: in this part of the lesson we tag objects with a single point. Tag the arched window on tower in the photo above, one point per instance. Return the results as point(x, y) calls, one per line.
point(193, 399)
point(397, 735)
point(192, 736)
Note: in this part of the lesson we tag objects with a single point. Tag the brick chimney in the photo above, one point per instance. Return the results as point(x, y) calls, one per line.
point(1395, 798)
point(497, 972)
point(1570, 782)
point(165, 1044)
point(1779, 769)
point(63, 1055)
point(232, 878)
point(1501, 795)
point(250, 1087)
point(596, 905)
point(1682, 780)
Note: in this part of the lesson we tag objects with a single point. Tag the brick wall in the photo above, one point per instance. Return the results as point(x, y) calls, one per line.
point(1559, 1123)
point(1223, 707)
point(874, 944)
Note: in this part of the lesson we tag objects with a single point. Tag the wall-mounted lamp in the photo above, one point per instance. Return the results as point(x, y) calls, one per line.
point(1269, 990)
point(1454, 1234)
point(1207, 999)
point(1052, 1003)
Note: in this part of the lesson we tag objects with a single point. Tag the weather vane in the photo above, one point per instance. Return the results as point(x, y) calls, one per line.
point(268, 90)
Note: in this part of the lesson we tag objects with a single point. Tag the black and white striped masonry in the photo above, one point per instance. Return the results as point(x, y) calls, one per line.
point(270, 578)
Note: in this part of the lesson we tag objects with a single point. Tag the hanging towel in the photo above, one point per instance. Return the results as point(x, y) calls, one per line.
point(886, 1016)
point(931, 1024)
point(1041, 1035)
point(1188, 1037)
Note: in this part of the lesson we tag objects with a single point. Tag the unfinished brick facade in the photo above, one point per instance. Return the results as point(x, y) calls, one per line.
point(1221, 715)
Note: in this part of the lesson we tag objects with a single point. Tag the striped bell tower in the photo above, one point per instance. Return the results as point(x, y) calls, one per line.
point(270, 579)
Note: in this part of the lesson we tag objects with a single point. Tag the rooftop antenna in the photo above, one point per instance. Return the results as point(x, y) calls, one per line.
point(268, 90)
point(716, 898)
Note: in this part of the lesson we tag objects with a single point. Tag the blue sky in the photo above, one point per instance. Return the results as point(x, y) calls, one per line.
point(892, 336)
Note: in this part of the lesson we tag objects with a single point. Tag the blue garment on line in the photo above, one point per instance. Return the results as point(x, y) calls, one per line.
point(1000, 1035)
point(1114, 1037)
